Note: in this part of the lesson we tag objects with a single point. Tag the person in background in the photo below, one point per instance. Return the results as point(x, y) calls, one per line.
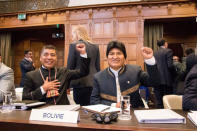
point(26, 65)
point(187, 53)
point(121, 79)
point(177, 64)
point(48, 83)
point(6, 80)
point(191, 60)
point(178, 83)
point(190, 92)
point(82, 88)
point(182, 71)
point(190, 86)
point(166, 70)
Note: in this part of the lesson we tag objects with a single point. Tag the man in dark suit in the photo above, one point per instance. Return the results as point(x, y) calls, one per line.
point(191, 60)
point(82, 88)
point(190, 92)
point(164, 58)
point(120, 79)
point(26, 65)
point(48, 83)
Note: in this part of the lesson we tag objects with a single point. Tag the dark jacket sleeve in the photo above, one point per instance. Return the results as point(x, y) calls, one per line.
point(82, 71)
point(95, 96)
point(97, 61)
point(151, 77)
point(71, 62)
point(171, 67)
point(169, 56)
point(190, 91)
point(27, 66)
point(29, 92)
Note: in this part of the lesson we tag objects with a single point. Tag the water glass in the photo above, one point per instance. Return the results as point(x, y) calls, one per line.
point(125, 108)
point(7, 101)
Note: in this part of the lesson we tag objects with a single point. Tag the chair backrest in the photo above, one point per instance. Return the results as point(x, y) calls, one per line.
point(172, 101)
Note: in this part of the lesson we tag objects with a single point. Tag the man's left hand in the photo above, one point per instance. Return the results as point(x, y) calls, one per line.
point(81, 48)
point(147, 53)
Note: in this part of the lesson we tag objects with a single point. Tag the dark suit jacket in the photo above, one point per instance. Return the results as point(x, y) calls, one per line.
point(165, 65)
point(33, 82)
point(73, 63)
point(25, 66)
point(191, 60)
point(130, 77)
point(190, 92)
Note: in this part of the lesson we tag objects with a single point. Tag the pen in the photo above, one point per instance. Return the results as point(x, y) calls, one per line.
point(105, 109)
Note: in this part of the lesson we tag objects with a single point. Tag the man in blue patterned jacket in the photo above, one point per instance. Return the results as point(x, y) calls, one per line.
point(120, 79)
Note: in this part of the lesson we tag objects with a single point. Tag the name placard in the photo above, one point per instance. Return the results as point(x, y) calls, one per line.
point(54, 115)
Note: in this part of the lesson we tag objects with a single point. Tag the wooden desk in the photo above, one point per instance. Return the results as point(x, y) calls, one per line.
point(19, 121)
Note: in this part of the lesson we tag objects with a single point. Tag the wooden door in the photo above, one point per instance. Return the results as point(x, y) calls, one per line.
point(35, 47)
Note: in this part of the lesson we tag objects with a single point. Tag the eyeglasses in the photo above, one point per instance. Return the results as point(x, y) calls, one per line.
point(105, 118)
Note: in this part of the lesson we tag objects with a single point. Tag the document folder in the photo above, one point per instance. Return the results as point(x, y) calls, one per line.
point(100, 108)
point(158, 116)
point(193, 117)
point(27, 104)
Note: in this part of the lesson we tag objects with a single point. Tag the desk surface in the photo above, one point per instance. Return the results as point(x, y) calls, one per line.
point(19, 121)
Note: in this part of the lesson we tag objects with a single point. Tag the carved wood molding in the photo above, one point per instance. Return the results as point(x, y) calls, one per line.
point(64, 7)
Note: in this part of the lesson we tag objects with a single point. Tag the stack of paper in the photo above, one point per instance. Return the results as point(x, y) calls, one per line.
point(26, 105)
point(193, 117)
point(100, 108)
point(158, 116)
point(63, 107)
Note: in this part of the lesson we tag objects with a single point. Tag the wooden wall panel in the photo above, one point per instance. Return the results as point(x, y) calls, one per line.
point(125, 12)
point(169, 10)
point(184, 9)
point(108, 28)
point(102, 13)
point(132, 62)
point(126, 28)
point(156, 10)
point(131, 48)
point(79, 14)
point(102, 28)
point(58, 18)
point(102, 43)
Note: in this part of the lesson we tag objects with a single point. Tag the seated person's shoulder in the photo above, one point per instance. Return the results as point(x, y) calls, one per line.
point(6, 69)
point(132, 67)
point(193, 72)
point(101, 74)
point(33, 73)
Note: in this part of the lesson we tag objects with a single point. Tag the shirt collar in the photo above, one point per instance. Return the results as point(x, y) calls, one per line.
point(26, 59)
point(115, 72)
point(46, 68)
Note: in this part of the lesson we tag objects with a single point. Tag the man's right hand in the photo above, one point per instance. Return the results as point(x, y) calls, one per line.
point(50, 85)
point(81, 48)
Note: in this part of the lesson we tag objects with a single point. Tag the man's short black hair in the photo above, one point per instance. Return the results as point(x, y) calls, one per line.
point(48, 47)
point(27, 51)
point(161, 42)
point(189, 51)
point(118, 45)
